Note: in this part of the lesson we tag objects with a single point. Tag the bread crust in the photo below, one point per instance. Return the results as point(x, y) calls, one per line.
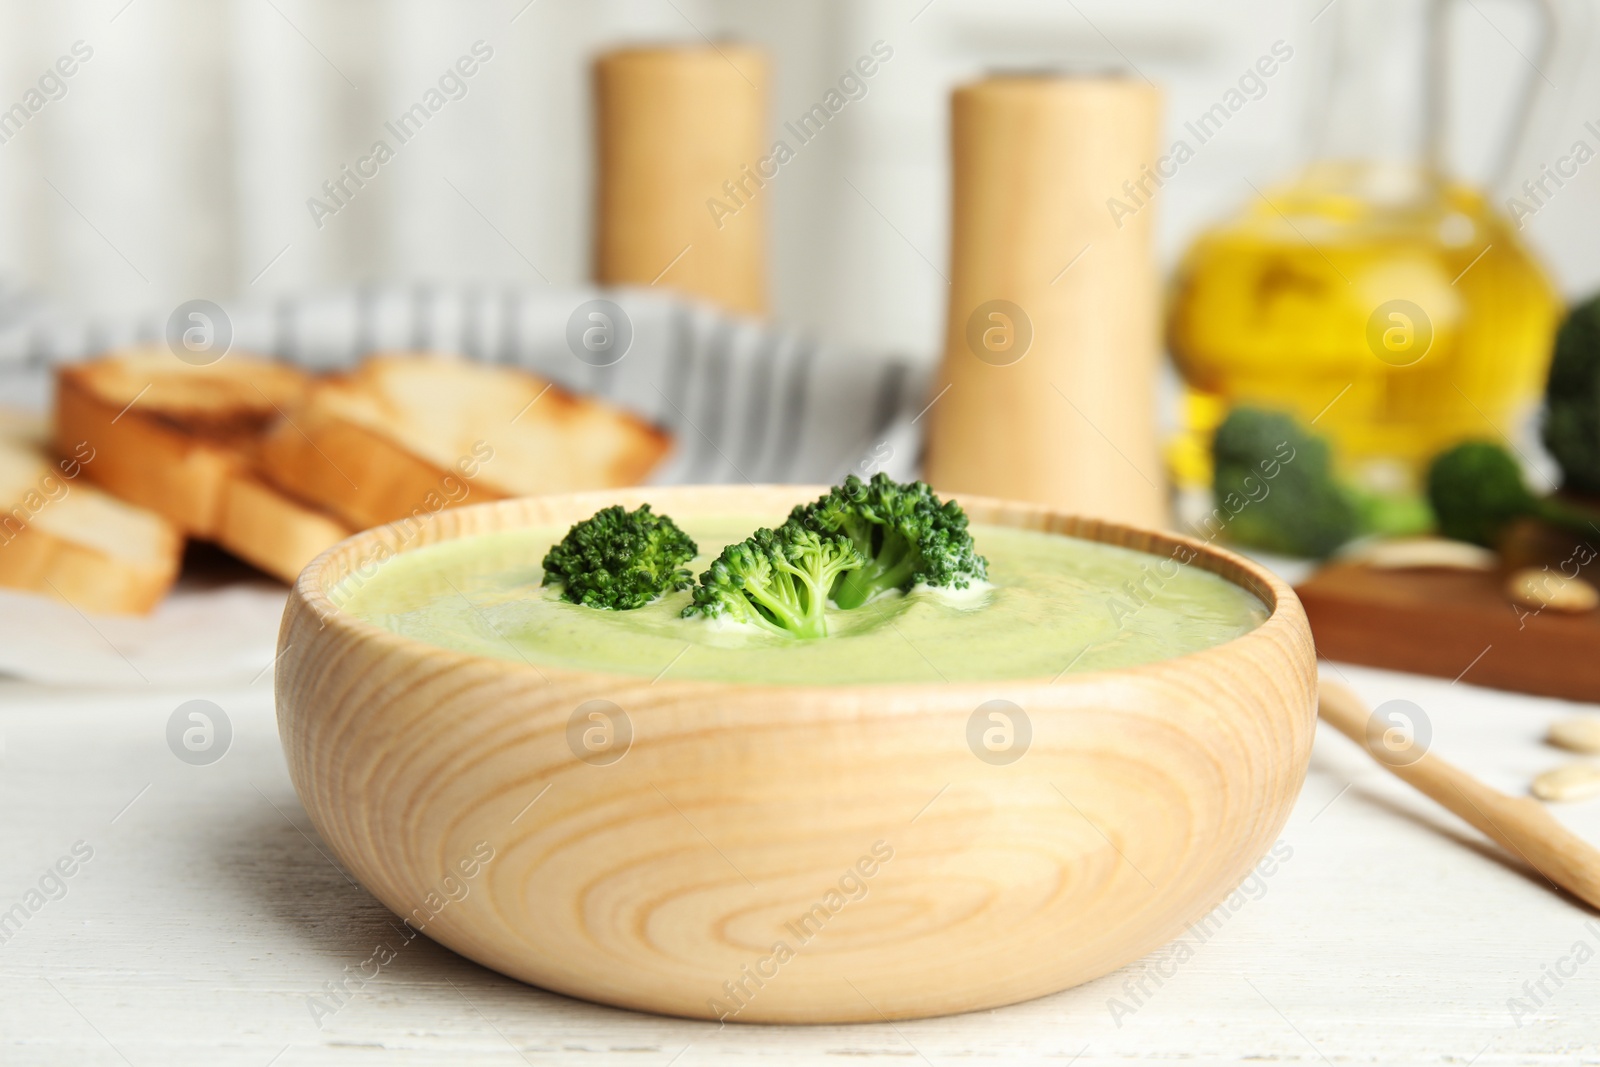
point(406, 433)
point(169, 436)
point(271, 530)
point(63, 537)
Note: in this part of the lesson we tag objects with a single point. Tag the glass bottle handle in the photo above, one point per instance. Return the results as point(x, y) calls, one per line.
point(1528, 91)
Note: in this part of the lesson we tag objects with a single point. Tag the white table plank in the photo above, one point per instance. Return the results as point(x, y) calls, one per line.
point(208, 916)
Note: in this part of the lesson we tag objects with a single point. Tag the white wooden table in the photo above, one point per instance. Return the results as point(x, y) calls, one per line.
point(210, 914)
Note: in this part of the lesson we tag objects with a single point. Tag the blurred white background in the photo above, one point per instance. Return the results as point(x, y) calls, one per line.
point(178, 160)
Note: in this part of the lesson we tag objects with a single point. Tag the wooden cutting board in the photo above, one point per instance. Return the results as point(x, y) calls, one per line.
point(1451, 624)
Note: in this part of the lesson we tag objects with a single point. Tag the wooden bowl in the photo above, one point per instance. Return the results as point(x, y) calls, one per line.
point(787, 853)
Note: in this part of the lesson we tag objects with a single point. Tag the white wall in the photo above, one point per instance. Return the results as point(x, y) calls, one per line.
point(179, 160)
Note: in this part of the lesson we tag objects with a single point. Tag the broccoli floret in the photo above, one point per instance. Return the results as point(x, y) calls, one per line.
point(776, 579)
point(1281, 475)
point(1477, 491)
point(618, 559)
point(1571, 428)
point(903, 532)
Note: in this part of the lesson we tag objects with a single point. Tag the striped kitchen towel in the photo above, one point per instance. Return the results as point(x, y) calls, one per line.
point(743, 400)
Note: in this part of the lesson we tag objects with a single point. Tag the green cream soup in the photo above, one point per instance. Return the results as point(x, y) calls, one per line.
point(1053, 604)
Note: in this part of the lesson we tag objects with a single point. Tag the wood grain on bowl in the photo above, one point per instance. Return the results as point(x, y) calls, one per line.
point(782, 853)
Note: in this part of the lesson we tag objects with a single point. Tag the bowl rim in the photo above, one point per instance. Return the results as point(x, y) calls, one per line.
point(310, 590)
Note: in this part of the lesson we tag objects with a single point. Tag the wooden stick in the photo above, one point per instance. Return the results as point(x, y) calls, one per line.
point(1520, 825)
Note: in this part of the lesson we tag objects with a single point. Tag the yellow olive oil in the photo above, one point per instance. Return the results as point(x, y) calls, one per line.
point(1396, 309)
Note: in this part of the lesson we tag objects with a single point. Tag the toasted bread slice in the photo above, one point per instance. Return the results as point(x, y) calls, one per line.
point(167, 435)
point(270, 529)
point(63, 537)
point(180, 439)
point(407, 434)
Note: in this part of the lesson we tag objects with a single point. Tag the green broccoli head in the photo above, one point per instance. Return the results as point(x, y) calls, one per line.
point(1571, 428)
point(1275, 479)
point(619, 559)
point(776, 579)
point(1476, 490)
point(905, 534)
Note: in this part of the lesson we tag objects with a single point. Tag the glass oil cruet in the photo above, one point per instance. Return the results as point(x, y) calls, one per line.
point(1373, 294)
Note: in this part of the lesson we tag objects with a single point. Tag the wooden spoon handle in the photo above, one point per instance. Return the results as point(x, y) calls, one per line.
point(1520, 825)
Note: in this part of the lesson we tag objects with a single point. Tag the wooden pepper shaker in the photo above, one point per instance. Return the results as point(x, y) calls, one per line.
point(678, 131)
point(1053, 345)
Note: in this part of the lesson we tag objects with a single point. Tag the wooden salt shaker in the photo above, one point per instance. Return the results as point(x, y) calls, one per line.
point(1052, 345)
point(679, 130)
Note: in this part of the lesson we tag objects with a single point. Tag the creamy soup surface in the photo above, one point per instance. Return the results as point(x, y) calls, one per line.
point(1053, 604)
